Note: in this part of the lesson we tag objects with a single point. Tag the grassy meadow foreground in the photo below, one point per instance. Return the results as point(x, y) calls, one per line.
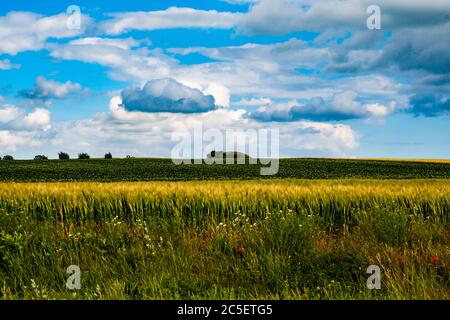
point(265, 239)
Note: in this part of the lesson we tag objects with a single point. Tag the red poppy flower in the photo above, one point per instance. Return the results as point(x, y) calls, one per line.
point(240, 250)
point(435, 259)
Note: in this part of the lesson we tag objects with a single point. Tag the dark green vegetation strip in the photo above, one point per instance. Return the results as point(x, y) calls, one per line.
point(164, 169)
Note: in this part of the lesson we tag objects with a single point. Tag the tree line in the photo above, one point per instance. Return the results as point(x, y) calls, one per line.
point(61, 156)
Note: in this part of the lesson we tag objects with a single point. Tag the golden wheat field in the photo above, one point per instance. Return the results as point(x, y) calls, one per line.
point(275, 189)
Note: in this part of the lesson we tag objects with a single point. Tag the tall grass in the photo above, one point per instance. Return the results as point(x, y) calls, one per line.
point(169, 240)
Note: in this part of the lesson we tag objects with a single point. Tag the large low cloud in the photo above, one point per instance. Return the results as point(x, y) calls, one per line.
point(342, 106)
point(167, 95)
point(45, 89)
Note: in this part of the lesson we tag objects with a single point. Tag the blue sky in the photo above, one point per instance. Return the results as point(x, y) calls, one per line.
point(134, 72)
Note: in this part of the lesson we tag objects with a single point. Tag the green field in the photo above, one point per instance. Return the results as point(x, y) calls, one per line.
point(164, 169)
point(235, 239)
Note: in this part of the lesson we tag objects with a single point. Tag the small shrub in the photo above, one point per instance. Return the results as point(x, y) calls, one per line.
point(8, 158)
point(108, 155)
point(63, 156)
point(40, 158)
point(84, 156)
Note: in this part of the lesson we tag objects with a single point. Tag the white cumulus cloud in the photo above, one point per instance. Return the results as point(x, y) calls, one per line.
point(24, 31)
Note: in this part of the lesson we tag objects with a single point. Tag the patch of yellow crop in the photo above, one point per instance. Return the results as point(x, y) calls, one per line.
point(407, 160)
point(255, 189)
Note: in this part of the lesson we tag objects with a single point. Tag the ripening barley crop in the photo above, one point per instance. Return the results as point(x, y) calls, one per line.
point(290, 239)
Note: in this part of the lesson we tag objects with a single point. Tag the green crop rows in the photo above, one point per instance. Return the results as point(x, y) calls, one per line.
point(164, 169)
